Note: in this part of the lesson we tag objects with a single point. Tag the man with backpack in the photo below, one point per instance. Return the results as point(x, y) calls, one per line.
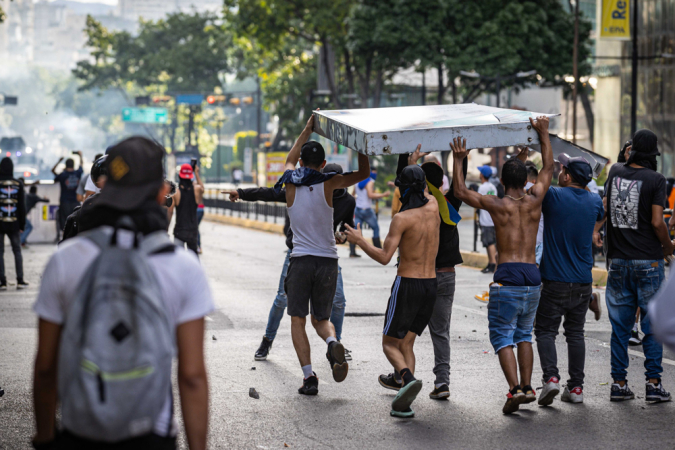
point(116, 303)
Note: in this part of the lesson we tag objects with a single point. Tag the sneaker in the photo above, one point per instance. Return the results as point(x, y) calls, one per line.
point(348, 355)
point(594, 305)
point(310, 385)
point(549, 390)
point(620, 394)
point(484, 297)
point(263, 350)
point(407, 414)
point(389, 382)
point(530, 394)
point(21, 284)
point(2, 392)
point(338, 363)
point(487, 269)
point(656, 393)
point(440, 393)
point(406, 396)
point(354, 255)
point(513, 401)
point(576, 395)
point(3, 285)
point(634, 338)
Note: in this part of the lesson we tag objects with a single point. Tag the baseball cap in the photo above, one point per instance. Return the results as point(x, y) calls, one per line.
point(186, 172)
point(333, 168)
point(312, 153)
point(578, 167)
point(486, 171)
point(135, 174)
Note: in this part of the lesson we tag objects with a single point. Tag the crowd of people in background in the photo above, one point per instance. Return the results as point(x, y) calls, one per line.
point(539, 241)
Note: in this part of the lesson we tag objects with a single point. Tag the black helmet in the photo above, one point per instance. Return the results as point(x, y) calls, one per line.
point(99, 168)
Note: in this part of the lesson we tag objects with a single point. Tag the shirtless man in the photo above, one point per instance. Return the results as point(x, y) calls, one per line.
point(514, 294)
point(414, 231)
point(313, 270)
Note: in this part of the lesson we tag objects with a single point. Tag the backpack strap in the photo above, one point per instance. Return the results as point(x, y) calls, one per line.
point(157, 242)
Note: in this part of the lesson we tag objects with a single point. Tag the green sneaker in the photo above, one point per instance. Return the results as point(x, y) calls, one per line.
point(406, 396)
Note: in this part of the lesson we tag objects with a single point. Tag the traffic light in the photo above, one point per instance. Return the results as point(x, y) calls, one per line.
point(216, 99)
point(143, 100)
point(157, 99)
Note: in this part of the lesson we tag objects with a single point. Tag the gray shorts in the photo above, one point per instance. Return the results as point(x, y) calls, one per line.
point(311, 280)
point(488, 236)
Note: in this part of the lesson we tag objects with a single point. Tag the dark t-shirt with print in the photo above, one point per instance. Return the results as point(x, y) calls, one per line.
point(630, 195)
point(69, 182)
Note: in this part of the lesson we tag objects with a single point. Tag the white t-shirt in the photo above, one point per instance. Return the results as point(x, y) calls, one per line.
point(540, 231)
point(91, 186)
point(185, 291)
point(485, 219)
point(362, 199)
point(446, 184)
point(593, 187)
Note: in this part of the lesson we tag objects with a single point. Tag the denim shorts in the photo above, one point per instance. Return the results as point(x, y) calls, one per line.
point(511, 313)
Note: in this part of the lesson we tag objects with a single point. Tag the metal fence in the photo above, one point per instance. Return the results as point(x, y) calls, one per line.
point(218, 203)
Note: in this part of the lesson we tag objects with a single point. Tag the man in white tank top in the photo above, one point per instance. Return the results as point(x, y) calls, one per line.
point(313, 270)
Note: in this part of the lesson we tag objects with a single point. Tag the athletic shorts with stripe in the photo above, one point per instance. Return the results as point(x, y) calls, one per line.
point(410, 306)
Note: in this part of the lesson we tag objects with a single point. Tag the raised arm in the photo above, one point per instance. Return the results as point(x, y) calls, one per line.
point(382, 255)
point(56, 165)
point(459, 189)
point(350, 179)
point(79, 153)
point(540, 189)
point(294, 155)
point(374, 195)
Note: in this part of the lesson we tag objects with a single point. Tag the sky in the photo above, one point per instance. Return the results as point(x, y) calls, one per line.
point(107, 2)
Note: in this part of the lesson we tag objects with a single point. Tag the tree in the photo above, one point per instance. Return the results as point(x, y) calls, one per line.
point(3, 16)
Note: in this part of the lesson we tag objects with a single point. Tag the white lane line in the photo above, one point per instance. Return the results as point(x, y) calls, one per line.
point(670, 362)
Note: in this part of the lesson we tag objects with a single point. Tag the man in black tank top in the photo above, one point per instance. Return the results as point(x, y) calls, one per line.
point(185, 231)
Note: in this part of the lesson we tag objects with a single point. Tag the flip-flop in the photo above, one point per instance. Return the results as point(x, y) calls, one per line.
point(406, 396)
point(403, 414)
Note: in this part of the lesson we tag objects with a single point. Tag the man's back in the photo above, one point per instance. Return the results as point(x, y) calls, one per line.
point(516, 223)
point(570, 214)
point(630, 193)
point(419, 241)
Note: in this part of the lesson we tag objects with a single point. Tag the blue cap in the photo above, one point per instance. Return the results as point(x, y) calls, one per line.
point(578, 167)
point(486, 171)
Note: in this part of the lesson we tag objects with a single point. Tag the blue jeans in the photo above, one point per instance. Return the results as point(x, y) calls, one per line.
point(337, 316)
point(26, 231)
point(511, 313)
point(368, 216)
point(631, 284)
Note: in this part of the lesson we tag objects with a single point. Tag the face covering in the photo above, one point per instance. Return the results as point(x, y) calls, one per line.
point(411, 183)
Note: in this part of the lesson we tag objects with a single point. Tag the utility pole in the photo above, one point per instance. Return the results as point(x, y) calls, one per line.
point(575, 71)
point(258, 112)
point(634, 72)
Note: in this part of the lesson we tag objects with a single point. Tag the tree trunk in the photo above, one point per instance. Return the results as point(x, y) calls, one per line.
point(350, 78)
point(329, 75)
point(441, 85)
point(590, 118)
point(377, 95)
point(454, 90)
point(364, 82)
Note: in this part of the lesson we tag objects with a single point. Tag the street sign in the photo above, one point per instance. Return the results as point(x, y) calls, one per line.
point(145, 115)
point(615, 22)
point(189, 99)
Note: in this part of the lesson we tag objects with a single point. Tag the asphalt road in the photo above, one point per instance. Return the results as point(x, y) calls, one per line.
point(243, 267)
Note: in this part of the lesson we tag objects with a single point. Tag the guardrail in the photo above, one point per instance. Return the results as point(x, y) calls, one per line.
point(217, 203)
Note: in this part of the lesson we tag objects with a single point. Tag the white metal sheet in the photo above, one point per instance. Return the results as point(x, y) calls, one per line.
point(383, 131)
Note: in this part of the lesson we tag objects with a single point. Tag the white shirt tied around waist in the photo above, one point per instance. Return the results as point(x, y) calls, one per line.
point(312, 223)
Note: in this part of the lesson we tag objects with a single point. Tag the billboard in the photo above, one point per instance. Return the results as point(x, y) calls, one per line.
point(274, 166)
point(615, 18)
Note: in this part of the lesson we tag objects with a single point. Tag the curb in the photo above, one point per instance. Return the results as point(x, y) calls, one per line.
point(471, 259)
point(246, 223)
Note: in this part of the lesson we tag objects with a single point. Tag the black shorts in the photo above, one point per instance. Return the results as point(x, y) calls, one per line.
point(410, 306)
point(311, 280)
point(488, 236)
